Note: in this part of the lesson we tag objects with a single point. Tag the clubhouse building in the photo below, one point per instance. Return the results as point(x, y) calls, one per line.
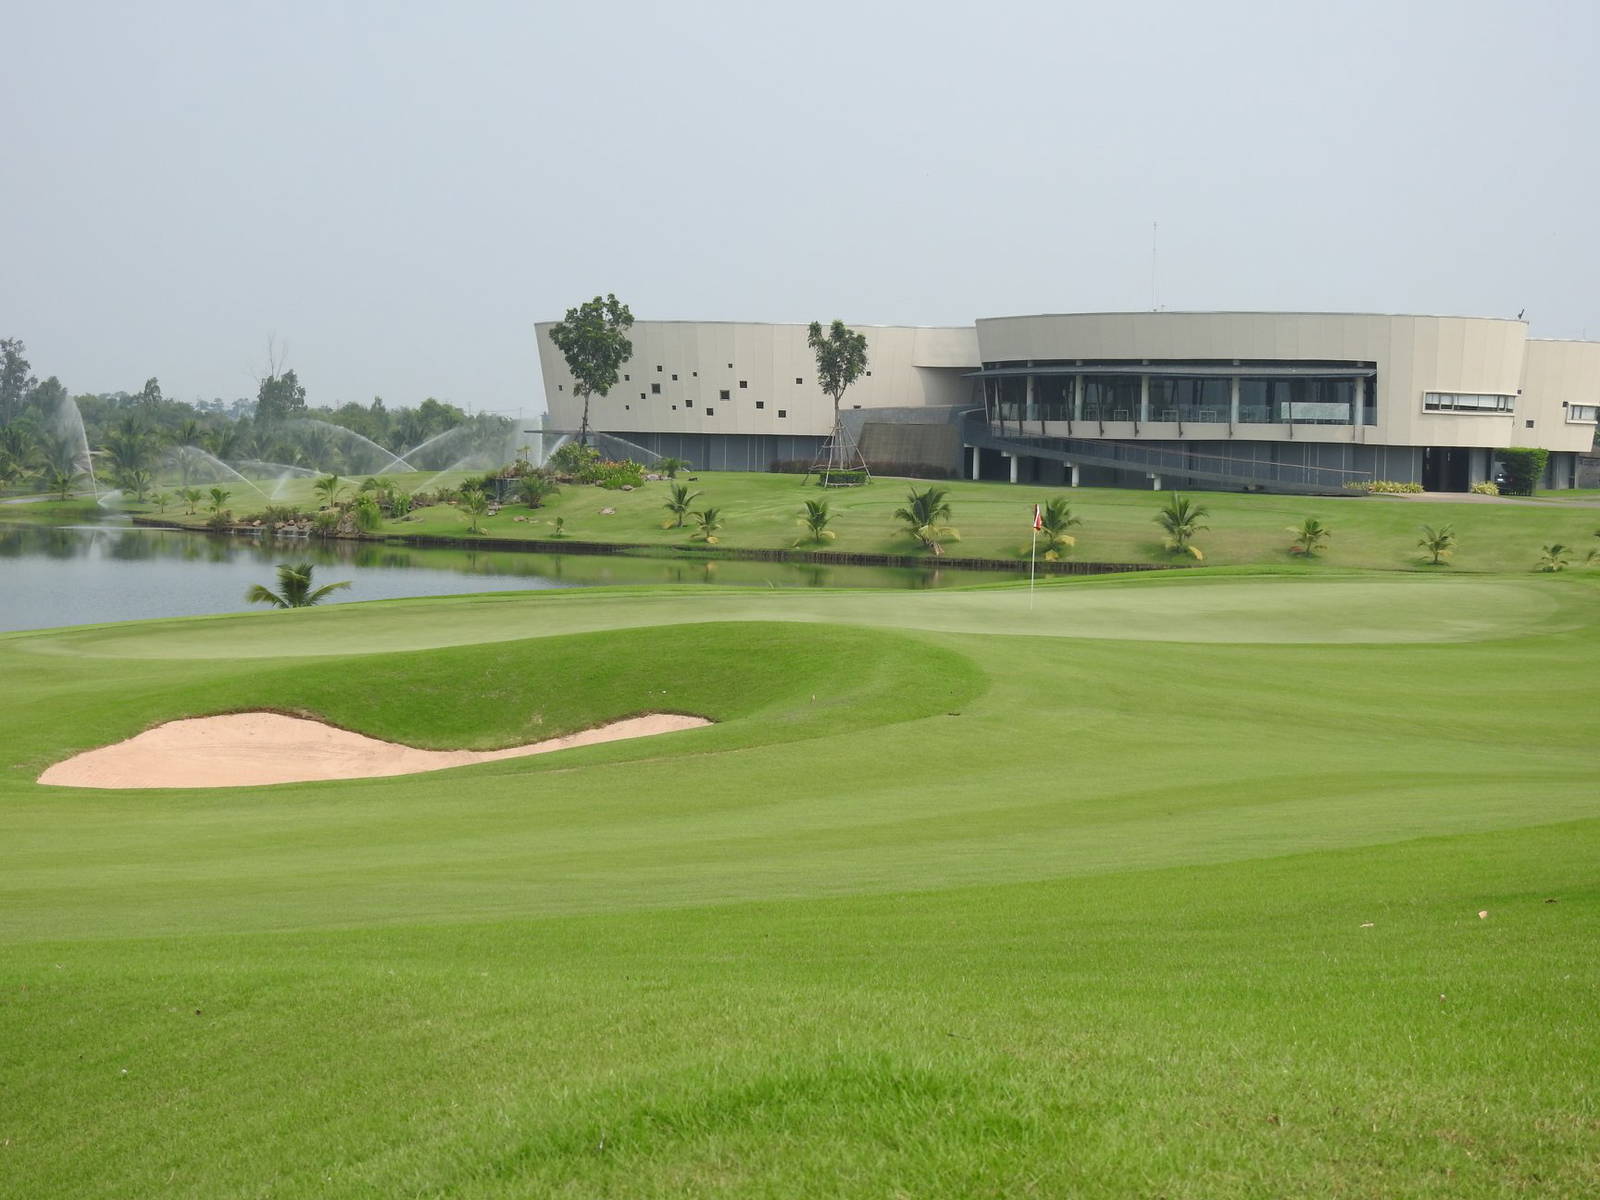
point(1303, 402)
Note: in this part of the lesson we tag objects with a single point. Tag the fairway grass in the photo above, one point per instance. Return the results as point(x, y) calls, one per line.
point(1141, 886)
point(762, 511)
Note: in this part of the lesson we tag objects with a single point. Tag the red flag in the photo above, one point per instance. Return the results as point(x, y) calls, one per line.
point(1038, 518)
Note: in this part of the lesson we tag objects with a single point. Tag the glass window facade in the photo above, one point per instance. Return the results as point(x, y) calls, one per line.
point(1583, 412)
point(1192, 401)
point(1110, 397)
point(1467, 402)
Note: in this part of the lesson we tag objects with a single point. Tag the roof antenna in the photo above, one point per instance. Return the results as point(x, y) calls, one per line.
point(1154, 303)
point(1520, 311)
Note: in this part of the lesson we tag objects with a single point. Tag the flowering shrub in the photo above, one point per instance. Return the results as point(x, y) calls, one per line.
point(1487, 488)
point(1384, 485)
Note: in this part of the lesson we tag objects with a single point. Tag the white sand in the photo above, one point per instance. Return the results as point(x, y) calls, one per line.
point(246, 749)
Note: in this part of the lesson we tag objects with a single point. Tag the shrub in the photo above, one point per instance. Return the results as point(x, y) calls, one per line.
point(615, 474)
point(220, 518)
point(1524, 467)
point(535, 487)
point(1179, 519)
point(1384, 485)
point(1555, 557)
point(1308, 537)
point(572, 458)
point(368, 513)
point(278, 514)
point(1487, 488)
point(843, 479)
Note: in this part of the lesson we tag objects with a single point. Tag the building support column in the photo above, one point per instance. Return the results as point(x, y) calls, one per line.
point(1233, 404)
point(1015, 460)
point(1077, 397)
point(1155, 483)
point(1072, 469)
point(1030, 407)
point(1144, 399)
point(975, 453)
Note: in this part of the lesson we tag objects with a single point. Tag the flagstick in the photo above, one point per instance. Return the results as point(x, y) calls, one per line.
point(1033, 558)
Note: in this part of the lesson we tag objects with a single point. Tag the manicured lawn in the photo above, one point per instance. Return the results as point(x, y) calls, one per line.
point(762, 511)
point(1152, 886)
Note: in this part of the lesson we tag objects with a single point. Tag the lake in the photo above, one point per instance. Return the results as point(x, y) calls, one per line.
point(54, 575)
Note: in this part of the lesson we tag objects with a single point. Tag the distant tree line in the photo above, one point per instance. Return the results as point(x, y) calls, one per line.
point(129, 432)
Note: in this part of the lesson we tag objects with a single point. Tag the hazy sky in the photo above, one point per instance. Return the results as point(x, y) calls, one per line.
point(399, 191)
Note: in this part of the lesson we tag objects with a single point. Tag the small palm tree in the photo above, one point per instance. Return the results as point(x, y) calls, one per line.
point(535, 489)
point(815, 520)
point(191, 497)
point(1309, 536)
point(925, 516)
point(678, 503)
point(138, 482)
point(1438, 542)
point(1594, 553)
point(1554, 557)
point(161, 500)
point(560, 527)
point(475, 504)
point(62, 482)
point(671, 466)
point(329, 490)
point(1180, 519)
point(219, 498)
point(294, 588)
point(706, 524)
point(1055, 518)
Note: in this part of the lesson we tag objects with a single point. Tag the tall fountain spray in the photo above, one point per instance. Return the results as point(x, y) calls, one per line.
point(68, 423)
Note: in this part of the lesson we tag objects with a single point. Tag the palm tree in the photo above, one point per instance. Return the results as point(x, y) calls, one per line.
point(294, 588)
point(62, 482)
point(191, 496)
point(707, 522)
point(1438, 542)
point(678, 504)
point(671, 466)
point(329, 489)
point(815, 519)
point(1308, 537)
point(138, 482)
point(161, 500)
point(1055, 518)
point(535, 489)
point(219, 497)
point(925, 515)
point(1180, 518)
point(225, 442)
point(475, 504)
point(1554, 557)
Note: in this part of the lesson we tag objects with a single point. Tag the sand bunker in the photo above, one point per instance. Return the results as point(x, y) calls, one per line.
point(246, 749)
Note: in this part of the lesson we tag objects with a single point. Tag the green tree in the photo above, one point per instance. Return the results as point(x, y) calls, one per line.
point(671, 466)
point(679, 498)
point(368, 512)
point(1555, 557)
point(329, 489)
point(1524, 468)
point(925, 517)
point(707, 523)
point(815, 518)
point(15, 380)
point(150, 394)
point(1309, 537)
point(138, 482)
point(536, 488)
point(63, 481)
point(1179, 518)
point(161, 500)
point(593, 339)
point(1055, 519)
point(219, 499)
point(841, 358)
point(1438, 542)
point(280, 397)
point(294, 588)
point(130, 446)
point(191, 497)
point(475, 504)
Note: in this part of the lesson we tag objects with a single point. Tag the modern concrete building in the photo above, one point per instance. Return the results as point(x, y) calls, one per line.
point(1278, 401)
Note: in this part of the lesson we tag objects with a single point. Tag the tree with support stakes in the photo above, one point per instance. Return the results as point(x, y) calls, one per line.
point(841, 358)
point(593, 340)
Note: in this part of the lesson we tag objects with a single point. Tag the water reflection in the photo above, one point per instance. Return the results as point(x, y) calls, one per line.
point(75, 574)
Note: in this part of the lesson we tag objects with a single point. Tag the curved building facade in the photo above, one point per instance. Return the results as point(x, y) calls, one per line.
point(1281, 401)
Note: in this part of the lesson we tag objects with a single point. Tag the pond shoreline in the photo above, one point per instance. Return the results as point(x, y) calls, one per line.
point(837, 558)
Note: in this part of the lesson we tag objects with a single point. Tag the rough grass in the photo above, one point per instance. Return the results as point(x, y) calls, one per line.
point(762, 512)
point(942, 907)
